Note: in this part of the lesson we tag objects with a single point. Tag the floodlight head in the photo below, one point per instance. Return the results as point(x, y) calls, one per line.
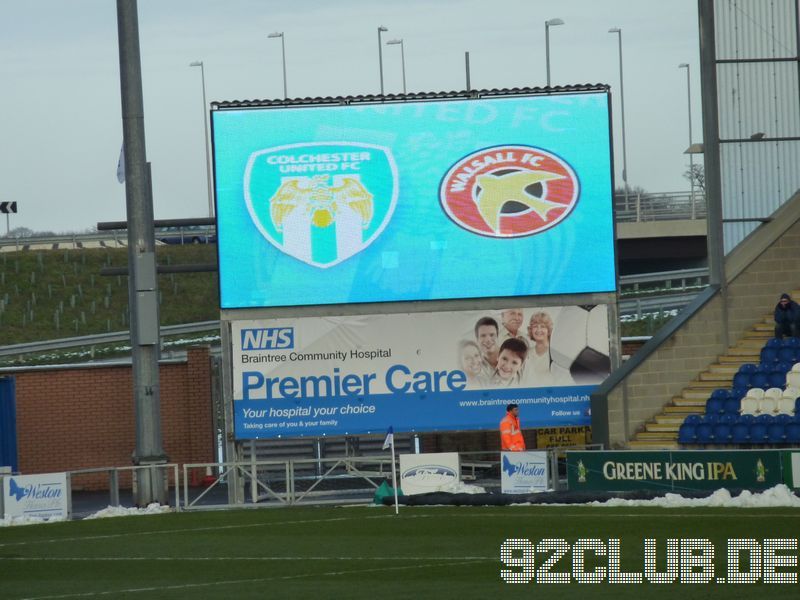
point(382, 28)
point(695, 149)
point(393, 42)
point(683, 66)
point(275, 34)
point(553, 22)
point(196, 63)
point(615, 30)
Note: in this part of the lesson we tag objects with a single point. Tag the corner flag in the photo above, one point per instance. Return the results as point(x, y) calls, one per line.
point(387, 443)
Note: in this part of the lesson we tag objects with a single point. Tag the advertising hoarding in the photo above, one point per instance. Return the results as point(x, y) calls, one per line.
point(43, 496)
point(432, 200)
point(432, 472)
point(416, 372)
point(674, 471)
point(523, 472)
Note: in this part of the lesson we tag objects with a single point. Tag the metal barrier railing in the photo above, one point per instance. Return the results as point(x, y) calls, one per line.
point(114, 479)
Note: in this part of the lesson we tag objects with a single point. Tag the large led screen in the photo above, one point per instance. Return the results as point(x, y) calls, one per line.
point(507, 196)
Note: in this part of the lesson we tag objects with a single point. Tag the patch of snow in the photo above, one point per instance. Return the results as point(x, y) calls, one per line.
point(774, 497)
point(13, 521)
point(123, 511)
point(466, 488)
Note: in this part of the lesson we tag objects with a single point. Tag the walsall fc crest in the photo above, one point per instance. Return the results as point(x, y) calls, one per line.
point(509, 191)
point(324, 202)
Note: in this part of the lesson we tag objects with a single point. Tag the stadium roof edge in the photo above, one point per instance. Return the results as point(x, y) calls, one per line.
point(415, 97)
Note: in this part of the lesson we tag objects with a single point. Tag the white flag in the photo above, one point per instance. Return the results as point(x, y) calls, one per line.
point(121, 164)
point(387, 443)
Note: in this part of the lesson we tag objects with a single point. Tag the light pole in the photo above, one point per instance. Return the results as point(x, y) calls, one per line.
point(689, 105)
point(199, 63)
point(381, 29)
point(547, 25)
point(402, 58)
point(618, 31)
point(279, 34)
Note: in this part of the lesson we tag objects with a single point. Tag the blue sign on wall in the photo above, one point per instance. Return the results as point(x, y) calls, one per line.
point(508, 196)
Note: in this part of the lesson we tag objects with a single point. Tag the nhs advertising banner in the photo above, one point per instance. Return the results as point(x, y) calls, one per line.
point(503, 196)
point(417, 372)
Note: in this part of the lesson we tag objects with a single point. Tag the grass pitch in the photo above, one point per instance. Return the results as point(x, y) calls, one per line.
point(361, 552)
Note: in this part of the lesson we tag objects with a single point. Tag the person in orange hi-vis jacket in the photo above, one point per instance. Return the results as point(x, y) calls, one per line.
point(511, 439)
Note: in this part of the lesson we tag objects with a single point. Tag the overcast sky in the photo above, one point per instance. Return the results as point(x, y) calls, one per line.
point(60, 116)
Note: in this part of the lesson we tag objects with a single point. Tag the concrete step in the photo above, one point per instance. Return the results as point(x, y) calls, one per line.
point(705, 385)
point(657, 436)
point(720, 377)
point(671, 418)
point(652, 445)
point(699, 401)
point(662, 427)
point(724, 368)
point(683, 410)
point(745, 351)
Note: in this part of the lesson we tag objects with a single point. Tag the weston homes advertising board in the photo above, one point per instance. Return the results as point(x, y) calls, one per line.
point(440, 371)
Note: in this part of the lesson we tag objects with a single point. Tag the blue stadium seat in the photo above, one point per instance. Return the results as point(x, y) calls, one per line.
point(788, 354)
point(757, 433)
point(775, 433)
point(760, 379)
point(710, 418)
point(782, 367)
point(748, 368)
point(774, 343)
point(764, 419)
point(797, 406)
point(769, 355)
point(720, 393)
point(741, 381)
point(705, 433)
point(783, 419)
point(740, 433)
point(738, 392)
point(715, 406)
point(792, 431)
point(722, 433)
point(728, 418)
point(746, 419)
point(693, 419)
point(686, 434)
point(732, 406)
point(777, 379)
point(791, 342)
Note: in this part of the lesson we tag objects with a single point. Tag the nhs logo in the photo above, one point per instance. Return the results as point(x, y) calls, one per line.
point(268, 338)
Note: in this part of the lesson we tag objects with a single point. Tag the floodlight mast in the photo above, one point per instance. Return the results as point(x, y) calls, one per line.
point(142, 284)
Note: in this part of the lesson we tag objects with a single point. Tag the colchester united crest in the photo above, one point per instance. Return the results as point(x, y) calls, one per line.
point(324, 202)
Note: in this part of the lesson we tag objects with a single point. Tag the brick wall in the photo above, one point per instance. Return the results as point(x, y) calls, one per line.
point(80, 418)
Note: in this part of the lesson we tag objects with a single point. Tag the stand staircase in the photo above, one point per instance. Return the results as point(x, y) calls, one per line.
point(662, 431)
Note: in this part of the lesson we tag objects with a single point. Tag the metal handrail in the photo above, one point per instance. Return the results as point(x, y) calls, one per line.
point(101, 338)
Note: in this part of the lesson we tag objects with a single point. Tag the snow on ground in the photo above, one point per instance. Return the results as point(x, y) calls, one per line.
point(466, 488)
point(122, 511)
point(9, 521)
point(111, 511)
point(778, 496)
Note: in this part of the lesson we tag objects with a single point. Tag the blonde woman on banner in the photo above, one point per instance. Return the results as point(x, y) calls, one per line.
point(540, 370)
